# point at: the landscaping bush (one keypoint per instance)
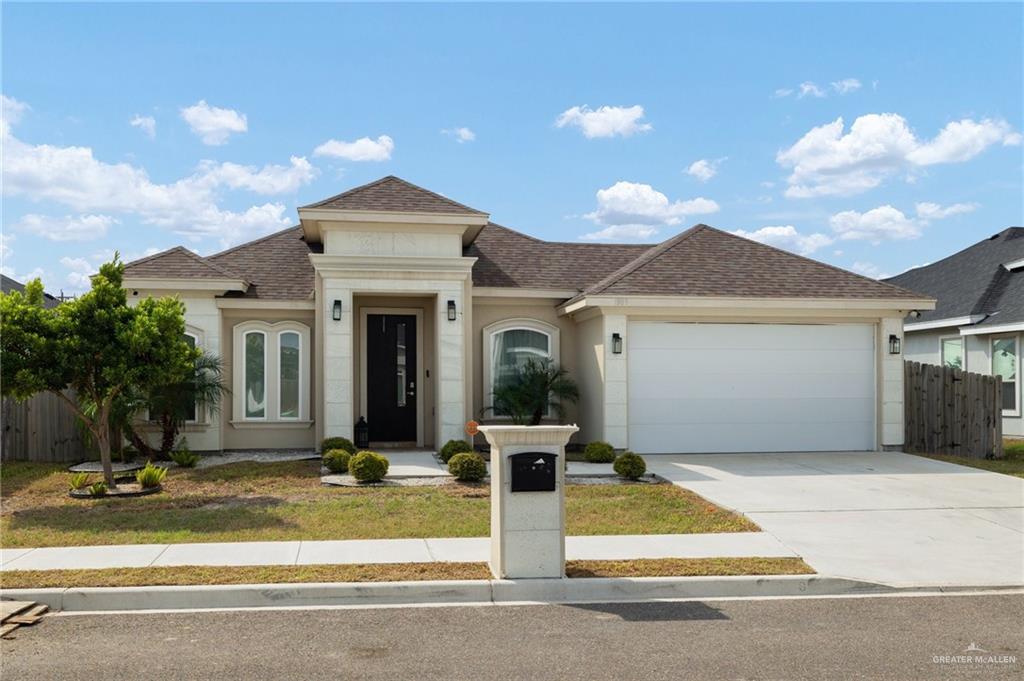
(185, 457)
(599, 452)
(629, 465)
(336, 460)
(80, 480)
(150, 476)
(368, 466)
(467, 467)
(98, 489)
(453, 447)
(337, 443)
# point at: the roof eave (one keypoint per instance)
(641, 302)
(185, 284)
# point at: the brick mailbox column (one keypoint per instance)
(528, 500)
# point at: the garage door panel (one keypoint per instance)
(723, 412)
(723, 387)
(754, 437)
(750, 387)
(750, 361)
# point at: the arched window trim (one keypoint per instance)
(491, 331)
(272, 368)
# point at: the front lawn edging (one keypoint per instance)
(122, 491)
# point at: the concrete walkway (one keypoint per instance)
(452, 550)
(882, 517)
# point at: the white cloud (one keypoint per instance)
(271, 179)
(933, 211)
(827, 161)
(846, 86)
(606, 121)
(809, 89)
(876, 225)
(80, 271)
(213, 124)
(622, 233)
(632, 203)
(782, 92)
(66, 228)
(74, 177)
(788, 238)
(704, 169)
(11, 111)
(146, 124)
(363, 149)
(868, 269)
(461, 135)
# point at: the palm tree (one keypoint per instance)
(173, 404)
(537, 389)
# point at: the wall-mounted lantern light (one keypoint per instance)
(336, 314)
(451, 310)
(894, 344)
(616, 344)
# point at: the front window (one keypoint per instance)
(290, 350)
(255, 375)
(953, 352)
(1004, 364)
(190, 410)
(511, 345)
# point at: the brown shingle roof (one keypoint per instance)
(507, 258)
(276, 266)
(178, 262)
(393, 194)
(704, 261)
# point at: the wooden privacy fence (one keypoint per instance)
(41, 428)
(948, 411)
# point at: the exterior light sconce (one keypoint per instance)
(336, 311)
(616, 344)
(451, 310)
(894, 344)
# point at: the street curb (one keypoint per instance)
(633, 589)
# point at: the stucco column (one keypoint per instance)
(337, 408)
(616, 394)
(451, 364)
(891, 418)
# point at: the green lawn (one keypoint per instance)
(285, 501)
(1012, 462)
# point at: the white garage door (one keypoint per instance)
(750, 387)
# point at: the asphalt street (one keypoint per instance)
(838, 638)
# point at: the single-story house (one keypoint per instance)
(978, 322)
(401, 306)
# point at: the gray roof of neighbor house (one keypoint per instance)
(7, 285)
(393, 194)
(974, 281)
(702, 261)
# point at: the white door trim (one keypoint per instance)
(418, 313)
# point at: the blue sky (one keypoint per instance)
(875, 138)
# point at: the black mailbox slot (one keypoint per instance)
(533, 471)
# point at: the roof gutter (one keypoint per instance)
(640, 303)
(966, 320)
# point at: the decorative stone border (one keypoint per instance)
(121, 491)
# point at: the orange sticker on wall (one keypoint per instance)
(472, 427)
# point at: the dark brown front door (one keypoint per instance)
(391, 377)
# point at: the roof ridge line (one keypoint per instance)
(212, 265)
(147, 258)
(395, 178)
(643, 259)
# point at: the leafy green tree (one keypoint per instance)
(95, 345)
(538, 387)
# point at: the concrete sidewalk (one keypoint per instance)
(451, 550)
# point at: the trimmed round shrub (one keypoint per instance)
(629, 465)
(336, 460)
(599, 452)
(467, 467)
(368, 466)
(337, 443)
(453, 447)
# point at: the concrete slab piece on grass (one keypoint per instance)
(413, 464)
(351, 551)
(87, 557)
(224, 554)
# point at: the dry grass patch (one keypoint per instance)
(285, 501)
(395, 572)
(1012, 462)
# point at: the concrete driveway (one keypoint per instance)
(885, 517)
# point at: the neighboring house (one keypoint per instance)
(978, 323)
(7, 285)
(396, 304)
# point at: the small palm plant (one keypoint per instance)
(537, 389)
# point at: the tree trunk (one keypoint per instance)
(141, 445)
(102, 432)
(169, 430)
